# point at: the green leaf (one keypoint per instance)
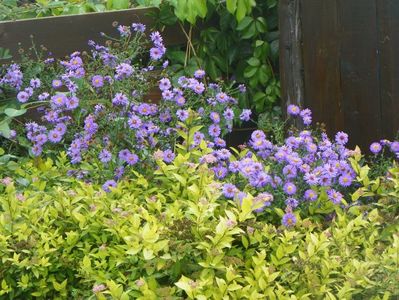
(254, 62)
(241, 10)
(244, 23)
(120, 4)
(12, 112)
(231, 5)
(5, 128)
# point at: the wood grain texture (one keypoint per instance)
(350, 56)
(291, 52)
(388, 43)
(360, 82)
(321, 56)
(63, 35)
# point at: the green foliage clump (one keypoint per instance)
(170, 236)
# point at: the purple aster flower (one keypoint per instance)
(97, 81)
(168, 156)
(228, 114)
(290, 171)
(132, 159)
(242, 88)
(245, 115)
(35, 83)
(134, 122)
(120, 99)
(311, 147)
(144, 109)
(165, 64)
(375, 148)
(105, 156)
(108, 184)
(307, 120)
(311, 178)
(234, 166)
(164, 84)
(183, 81)
(119, 171)
(168, 95)
(124, 31)
(156, 38)
(289, 220)
(292, 202)
(222, 97)
(395, 147)
(58, 100)
(289, 188)
(54, 136)
(156, 53)
(220, 172)
(43, 96)
(23, 97)
(341, 138)
(219, 142)
(345, 180)
(40, 139)
(215, 117)
(229, 190)
(29, 90)
(36, 150)
(293, 110)
(214, 130)
(258, 135)
(334, 196)
(199, 73)
(180, 100)
(138, 27)
(305, 113)
(71, 103)
(198, 137)
(56, 83)
(182, 114)
(199, 88)
(310, 195)
(165, 117)
(75, 63)
(123, 154)
(123, 70)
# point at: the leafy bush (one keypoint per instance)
(237, 40)
(22, 9)
(172, 235)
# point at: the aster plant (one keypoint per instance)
(308, 173)
(92, 105)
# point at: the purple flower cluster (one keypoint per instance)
(158, 51)
(297, 173)
(378, 147)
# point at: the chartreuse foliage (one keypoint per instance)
(169, 236)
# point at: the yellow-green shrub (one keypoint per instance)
(171, 237)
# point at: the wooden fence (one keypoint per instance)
(341, 59)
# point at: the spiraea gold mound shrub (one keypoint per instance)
(171, 236)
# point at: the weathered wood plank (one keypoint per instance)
(359, 71)
(63, 35)
(321, 54)
(388, 43)
(291, 74)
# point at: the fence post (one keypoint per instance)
(292, 81)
